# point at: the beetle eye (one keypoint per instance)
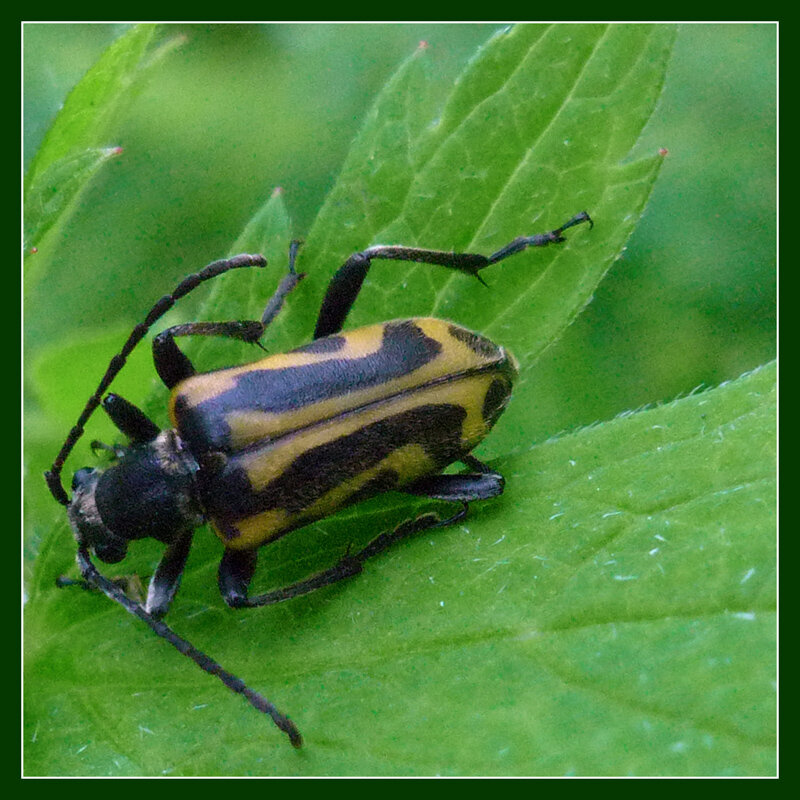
(82, 477)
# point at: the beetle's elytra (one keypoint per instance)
(345, 418)
(269, 447)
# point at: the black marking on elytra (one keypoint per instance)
(404, 348)
(228, 496)
(477, 343)
(330, 344)
(496, 400)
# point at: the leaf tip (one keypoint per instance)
(662, 151)
(277, 191)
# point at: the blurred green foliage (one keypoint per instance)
(240, 109)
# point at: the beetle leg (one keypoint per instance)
(236, 570)
(238, 566)
(167, 578)
(465, 488)
(289, 282)
(347, 281)
(173, 365)
(350, 564)
(235, 573)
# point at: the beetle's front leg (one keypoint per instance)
(167, 578)
(163, 586)
(131, 421)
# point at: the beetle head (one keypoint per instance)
(149, 492)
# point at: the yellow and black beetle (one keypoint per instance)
(266, 448)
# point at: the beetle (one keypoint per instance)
(266, 448)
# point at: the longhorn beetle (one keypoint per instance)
(265, 448)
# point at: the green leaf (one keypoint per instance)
(613, 614)
(553, 633)
(50, 194)
(74, 147)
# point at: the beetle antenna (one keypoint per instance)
(93, 577)
(53, 475)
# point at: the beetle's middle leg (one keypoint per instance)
(238, 566)
(173, 366)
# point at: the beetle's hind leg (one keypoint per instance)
(347, 281)
(173, 366)
(238, 566)
(482, 484)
